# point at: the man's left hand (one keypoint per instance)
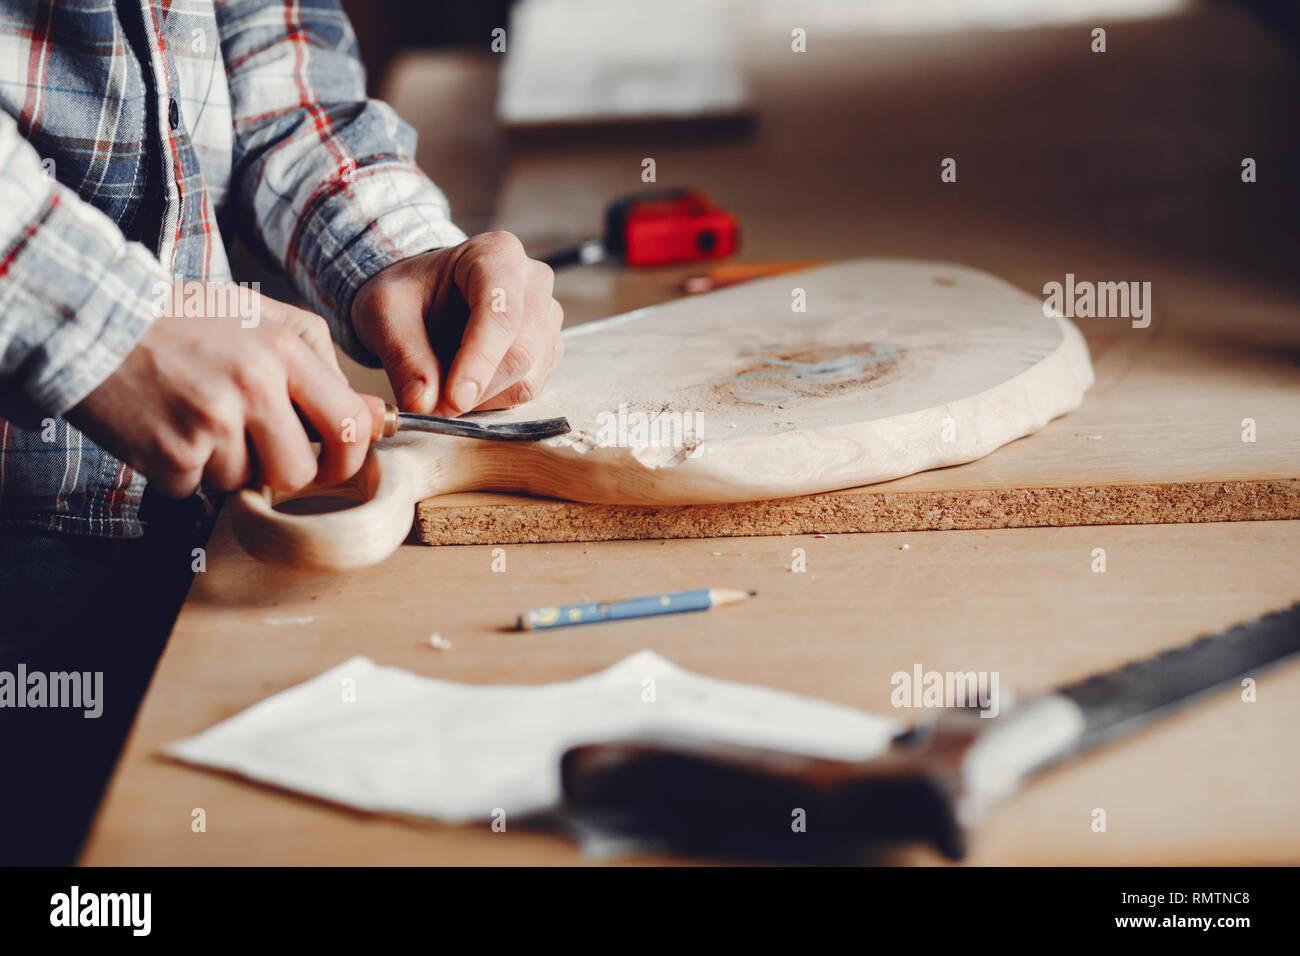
(412, 315)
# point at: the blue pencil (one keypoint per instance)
(566, 615)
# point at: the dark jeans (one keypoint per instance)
(84, 605)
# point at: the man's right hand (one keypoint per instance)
(199, 396)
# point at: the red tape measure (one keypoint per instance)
(658, 229)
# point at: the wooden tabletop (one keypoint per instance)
(1215, 785)
(1067, 164)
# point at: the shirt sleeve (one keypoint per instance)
(75, 295)
(324, 179)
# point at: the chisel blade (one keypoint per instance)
(498, 431)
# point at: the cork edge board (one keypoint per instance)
(502, 519)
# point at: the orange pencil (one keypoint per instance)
(733, 273)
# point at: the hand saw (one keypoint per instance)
(932, 784)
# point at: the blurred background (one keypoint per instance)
(1124, 161)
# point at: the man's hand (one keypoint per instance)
(197, 391)
(412, 316)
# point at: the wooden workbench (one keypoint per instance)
(1216, 785)
(1066, 164)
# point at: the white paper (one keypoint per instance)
(386, 740)
(592, 61)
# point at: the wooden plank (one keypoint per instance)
(475, 518)
(1024, 602)
(893, 367)
(1158, 439)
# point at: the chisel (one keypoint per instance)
(386, 421)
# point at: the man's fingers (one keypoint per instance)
(284, 455)
(175, 484)
(542, 342)
(175, 467)
(485, 301)
(399, 338)
(339, 416)
(530, 351)
(308, 326)
(230, 466)
(283, 452)
(413, 369)
(493, 275)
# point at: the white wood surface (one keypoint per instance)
(892, 367)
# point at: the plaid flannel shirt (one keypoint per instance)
(133, 134)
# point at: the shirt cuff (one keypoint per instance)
(347, 255)
(90, 299)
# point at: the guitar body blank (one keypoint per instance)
(894, 367)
